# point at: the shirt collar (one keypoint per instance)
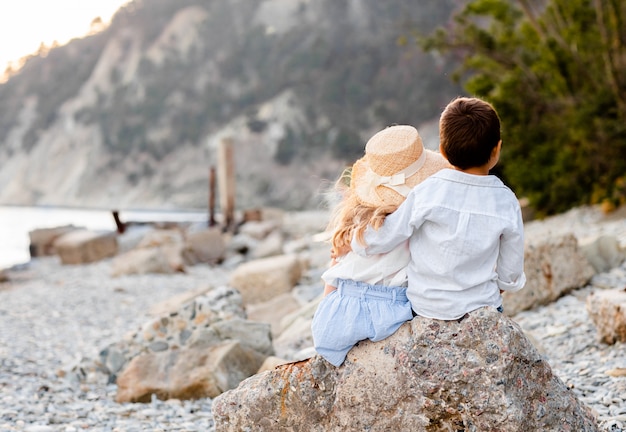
(470, 179)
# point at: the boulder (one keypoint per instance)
(42, 239)
(553, 266)
(607, 310)
(273, 310)
(258, 229)
(271, 245)
(149, 361)
(188, 373)
(142, 261)
(131, 237)
(263, 279)
(479, 373)
(85, 246)
(603, 252)
(205, 246)
(271, 362)
(160, 237)
(295, 331)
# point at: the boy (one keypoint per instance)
(464, 226)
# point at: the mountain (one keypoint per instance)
(131, 117)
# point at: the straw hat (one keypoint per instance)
(395, 161)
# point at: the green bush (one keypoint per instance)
(559, 85)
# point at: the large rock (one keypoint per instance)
(142, 261)
(42, 239)
(602, 251)
(607, 310)
(479, 373)
(85, 246)
(205, 246)
(554, 266)
(188, 373)
(191, 323)
(263, 279)
(272, 311)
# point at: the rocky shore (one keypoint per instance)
(52, 316)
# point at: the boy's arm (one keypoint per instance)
(510, 266)
(398, 227)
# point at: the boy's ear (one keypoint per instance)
(442, 152)
(496, 150)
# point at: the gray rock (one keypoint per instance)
(85, 246)
(607, 310)
(553, 266)
(188, 373)
(602, 251)
(479, 373)
(263, 279)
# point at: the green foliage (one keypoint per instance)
(555, 72)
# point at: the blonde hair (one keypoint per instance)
(351, 217)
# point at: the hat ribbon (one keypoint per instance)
(397, 181)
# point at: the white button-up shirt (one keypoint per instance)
(466, 239)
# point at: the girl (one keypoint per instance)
(365, 297)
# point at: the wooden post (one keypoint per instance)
(121, 227)
(226, 181)
(212, 196)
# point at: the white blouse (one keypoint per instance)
(389, 269)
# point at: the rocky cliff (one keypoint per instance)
(131, 117)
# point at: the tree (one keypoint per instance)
(556, 72)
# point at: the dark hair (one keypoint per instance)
(469, 129)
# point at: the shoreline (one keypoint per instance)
(52, 316)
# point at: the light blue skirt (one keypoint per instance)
(356, 311)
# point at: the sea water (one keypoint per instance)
(16, 222)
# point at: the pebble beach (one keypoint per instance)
(52, 316)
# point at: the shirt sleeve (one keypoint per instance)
(510, 265)
(398, 227)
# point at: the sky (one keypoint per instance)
(25, 24)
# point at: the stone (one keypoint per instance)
(250, 334)
(177, 302)
(607, 310)
(187, 373)
(241, 244)
(42, 239)
(258, 229)
(295, 334)
(602, 251)
(271, 245)
(553, 266)
(273, 310)
(271, 363)
(294, 339)
(205, 246)
(174, 255)
(85, 246)
(478, 373)
(141, 261)
(300, 224)
(263, 279)
(131, 237)
(189, 324)
(160, 237)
